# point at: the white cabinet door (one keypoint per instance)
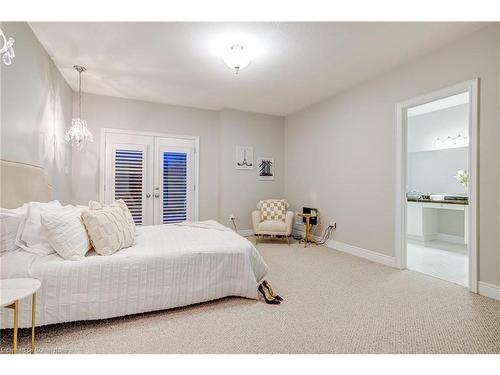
(414, 225)
(129, 174)
(174, 180)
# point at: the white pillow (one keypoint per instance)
(31, 234)
(109, 229)
(66, 233)
(94, 205)
(10, 219)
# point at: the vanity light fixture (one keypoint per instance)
(6, 48)
(449, 141)
(236, 58)
(78, 134)
(458, 141)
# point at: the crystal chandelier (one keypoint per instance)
(78, 134)
(6, 49)
(236, 58)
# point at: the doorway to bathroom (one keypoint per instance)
(436, 207)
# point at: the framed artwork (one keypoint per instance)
(244, 157)
(266, 169)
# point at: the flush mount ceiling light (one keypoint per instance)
(236, 58)
(78, 134)
(6, 49)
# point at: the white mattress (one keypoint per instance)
(169, 266)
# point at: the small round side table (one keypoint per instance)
(11, 292)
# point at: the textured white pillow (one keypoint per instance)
(93, 205)
(109, 229)
(31, 234)
(10, 219)
(66, 233)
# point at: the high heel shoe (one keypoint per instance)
(266, 285)
(267, 296)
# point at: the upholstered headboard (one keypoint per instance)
(21, 183)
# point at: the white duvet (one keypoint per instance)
(169, 266)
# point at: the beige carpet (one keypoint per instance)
(334, 303)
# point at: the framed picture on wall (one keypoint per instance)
(244, 157)
(266, 169)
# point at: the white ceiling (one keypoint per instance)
(440, 104)
(293, 64)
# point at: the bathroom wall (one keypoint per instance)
(432, 171)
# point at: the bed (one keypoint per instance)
(169, 266)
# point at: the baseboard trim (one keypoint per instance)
(356, 251)
(489, 290)
(438, 236)
(362, 253)
(245, 232)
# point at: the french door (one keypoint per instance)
(154, 175)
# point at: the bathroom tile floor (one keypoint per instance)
(444, 260)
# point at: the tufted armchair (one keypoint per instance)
(272, 227)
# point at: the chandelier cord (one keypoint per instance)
(80, 93)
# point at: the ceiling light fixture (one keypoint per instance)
(6, 49)
(236, 58)
(78, 134)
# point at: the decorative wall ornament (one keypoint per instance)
(244, 157)
(79, 135)
(6, 48)
(266, 169)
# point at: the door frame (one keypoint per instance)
(102, 159)
(472, 87)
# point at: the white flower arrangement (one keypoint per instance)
(462, 177)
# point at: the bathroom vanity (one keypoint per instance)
(426, 219)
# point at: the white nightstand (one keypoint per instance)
(11, 292)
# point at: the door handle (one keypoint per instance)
(148, 195)
(157, 195)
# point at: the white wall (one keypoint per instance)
(223, 190)
(240, 190)
(109, 112)
(340, 153)
(36, 108)
(424, 129)
(432, 171)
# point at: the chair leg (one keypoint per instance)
(256, 239)
(288, 240)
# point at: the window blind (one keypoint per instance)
(129, 170)
(174, 187)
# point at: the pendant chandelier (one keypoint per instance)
(78, 134)
(6, 49)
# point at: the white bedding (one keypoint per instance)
(170, 266)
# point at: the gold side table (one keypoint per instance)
(11, 292)
(307, 239)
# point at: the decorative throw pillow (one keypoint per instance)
(273, 209)
(93, 205)
(109, 229)
(10, 219)
(66, 233)
(31, 235)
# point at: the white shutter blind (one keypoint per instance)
(129, 171)
(175, 205)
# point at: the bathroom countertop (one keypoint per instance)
(447, 201)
